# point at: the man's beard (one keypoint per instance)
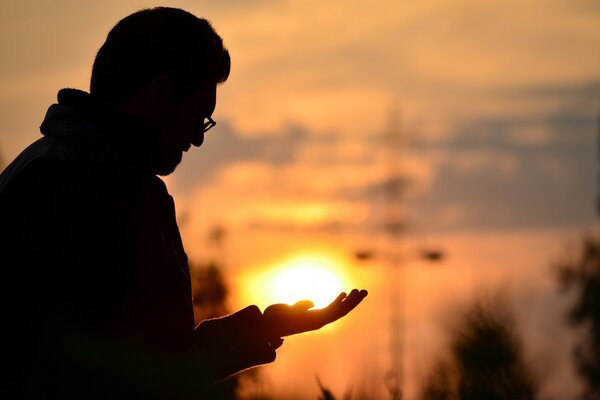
(165, 162)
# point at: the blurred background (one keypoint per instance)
(441, 154)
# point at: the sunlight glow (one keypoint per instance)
(311, 278)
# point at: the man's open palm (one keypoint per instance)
(285, 320)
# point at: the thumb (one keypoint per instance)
(303, 305)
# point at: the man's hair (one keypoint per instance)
(154, 42)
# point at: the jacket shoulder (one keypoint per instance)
(41, 158)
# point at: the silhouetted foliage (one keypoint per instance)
(326, 394)
(485, 361)
(439, 384)
(209, 291)
(581, 275)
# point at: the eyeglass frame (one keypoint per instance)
(209, 124)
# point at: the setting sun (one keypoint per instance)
(314, 278)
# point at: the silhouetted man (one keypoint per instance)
(96, 297)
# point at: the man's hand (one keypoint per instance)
(248, 337)
(235, 342)
(284, 320)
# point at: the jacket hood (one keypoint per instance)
(100, 134)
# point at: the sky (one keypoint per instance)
(487, 114)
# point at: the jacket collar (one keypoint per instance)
(100, 133)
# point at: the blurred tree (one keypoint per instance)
(581, 275)
(485, 361)
(326, 394)
(439, 385)
(210, 295)
(210, 292)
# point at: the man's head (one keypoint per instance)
(163, 65)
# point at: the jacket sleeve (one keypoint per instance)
(63, 281)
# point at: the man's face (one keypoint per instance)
(182, 126)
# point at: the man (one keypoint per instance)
(96, 295)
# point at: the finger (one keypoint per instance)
(290, 323)
(279, 307)
(339, 298)
(300, 306)
(250, 314)
(267, 355)
(263, 352)
(275, 343)
(337, 303)
(336, 310)
(361, 294)
(354, 298)
(303, 305)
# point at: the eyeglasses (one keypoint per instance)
(208, 124)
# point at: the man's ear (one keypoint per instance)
(160, 94)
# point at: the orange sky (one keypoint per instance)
(497, 105)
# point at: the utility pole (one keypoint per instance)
(393, 225)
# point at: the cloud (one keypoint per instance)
(530, 136)
(504, 185)
(451, 58)
(485, 176)
(224, 146)
(335, 66)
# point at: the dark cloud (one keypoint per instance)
(552, 184)
(224, 146)
(487, 180)
(482, 174)
(529, 199)
(588, 92)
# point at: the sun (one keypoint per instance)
(312, 278)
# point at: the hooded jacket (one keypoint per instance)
(96, 285)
